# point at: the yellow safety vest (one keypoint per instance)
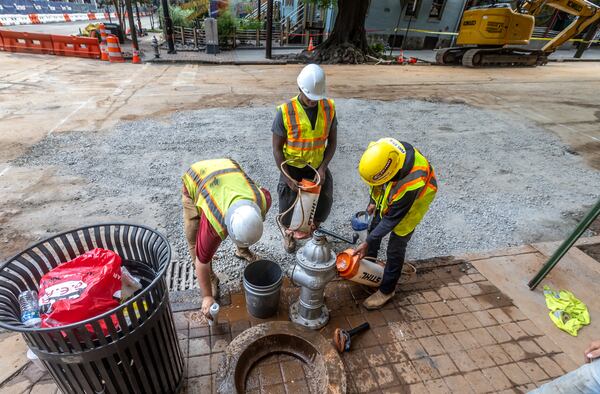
(304, 144)
(216, 184)
(421, 176)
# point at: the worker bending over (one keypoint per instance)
(219, 199)
(305, 134)
(402, 185)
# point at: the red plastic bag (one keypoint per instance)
(80, 289)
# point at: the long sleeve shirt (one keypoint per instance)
(396, 212)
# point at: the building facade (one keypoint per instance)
(389, 19)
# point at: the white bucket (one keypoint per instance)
(304, 210)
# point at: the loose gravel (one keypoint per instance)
(502, 181)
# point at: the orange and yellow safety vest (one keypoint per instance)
(214, 185)
(305, 145)
(421, 176)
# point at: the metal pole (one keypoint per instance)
(565, 246)
(137, 12)
(168, 26)
(551, 24)
(269, 42)
(132, 25)
(258, 10)
(587, 39)
(396, 28)
(414, 7)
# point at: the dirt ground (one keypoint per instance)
(41, 96)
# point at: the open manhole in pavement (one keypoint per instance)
(281, 368)
(280, 353)
(181, 276)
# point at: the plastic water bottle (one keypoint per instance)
(214, 312)
(30, 310)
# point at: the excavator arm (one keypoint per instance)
(586, 14)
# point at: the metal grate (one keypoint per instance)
(181, 276)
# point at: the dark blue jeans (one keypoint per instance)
(396, 251)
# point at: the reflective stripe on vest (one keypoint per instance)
(421, 176)
(215, 184)
(305, 145)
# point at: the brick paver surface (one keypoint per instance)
(447, 330)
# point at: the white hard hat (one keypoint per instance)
(311, 82)
(244, 223)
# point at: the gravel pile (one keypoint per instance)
(501, 182)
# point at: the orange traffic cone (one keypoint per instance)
(103, 44)
(136, 57)
(311, 47)
(401, 57)
(114, 49)
(103, 51)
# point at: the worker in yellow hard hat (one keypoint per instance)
(402, 185)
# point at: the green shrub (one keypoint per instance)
(226, 24)
(377, 47)
(179, 16)
(249, 24)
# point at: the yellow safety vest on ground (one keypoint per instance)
(215, 184)
(567, 312)
(422, 177)
(305, 144)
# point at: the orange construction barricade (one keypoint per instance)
(103, 46)
(34, 18)
(15, 41)
(114, 50)
(76, 46)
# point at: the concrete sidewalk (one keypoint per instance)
(257, 56)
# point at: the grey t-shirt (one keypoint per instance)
(279, 128)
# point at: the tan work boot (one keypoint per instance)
(289, 242)
(245, 254)
(377, 300)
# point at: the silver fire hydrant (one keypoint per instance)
(314, 269)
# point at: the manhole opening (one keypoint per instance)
(291, 358)
(181, 276)
(279, 367)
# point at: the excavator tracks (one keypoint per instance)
(491, 57)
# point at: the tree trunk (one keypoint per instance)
(348, 40)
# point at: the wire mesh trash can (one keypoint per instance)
(140, 353)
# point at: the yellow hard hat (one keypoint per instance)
(381, 161)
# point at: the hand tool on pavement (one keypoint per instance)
(342, 338)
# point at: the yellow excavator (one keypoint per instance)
(491, 35)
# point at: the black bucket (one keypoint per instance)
(262, 284)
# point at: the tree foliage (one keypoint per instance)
(198, 8)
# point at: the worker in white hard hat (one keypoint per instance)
(305, 136)
(402, 184)
(220, 200)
